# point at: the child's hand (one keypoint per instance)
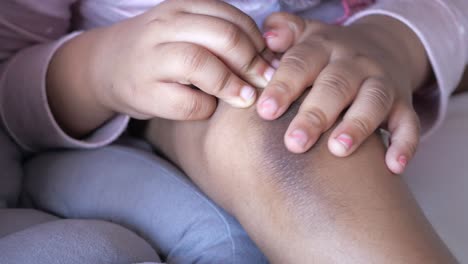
(145, 66)
(372, 71)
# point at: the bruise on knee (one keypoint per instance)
(284, 169)
(310, 175)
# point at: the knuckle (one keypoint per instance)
(320, 38)
(369, 64)
(190, 108)
(363, 125)
(282, 88)
(249, 64)
(315, 117)
(378, 95)
(223, 81)
(343, 51)
(194, 58)
(337, 85)
(249, 23)
(294, 63)
(363, 60)
(252, 30)
(232, 37)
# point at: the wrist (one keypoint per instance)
(401, 44)
(70, 87)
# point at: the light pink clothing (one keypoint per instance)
(438, 177)
(31, 31)
(442, 26)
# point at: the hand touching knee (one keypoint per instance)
(296, 207)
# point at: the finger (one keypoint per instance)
(179, 102)
(191, 64)
(272, 58)
(225, 11)
(370, 109)
(331, 93)
(404, 127)
(297, 70)
(222, 38)
(282, 31)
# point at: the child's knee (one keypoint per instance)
(252, 151)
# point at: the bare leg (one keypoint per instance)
(308, 208)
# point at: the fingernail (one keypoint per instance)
(245, 99)
(270, 34)
(268, 74)
(346, 140)
(341, 144)
(299, 137)
(403, 161)
(269, 107)
(247, 93)
(275, 63)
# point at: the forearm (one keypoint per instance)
(311, 207)
(70, 86)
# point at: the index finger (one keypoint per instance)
(193, 64)
(222, 10)
(297, 70)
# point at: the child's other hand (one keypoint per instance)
(146, 66)
(372, 71)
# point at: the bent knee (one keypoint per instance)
(256, 149)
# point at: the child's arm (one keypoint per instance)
(375, 66)
(442, 27)
(372, 67)
(31, 32)
(142, 67)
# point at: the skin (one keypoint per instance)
(301, 208)
(372, 66)
(308, 208)
(204, 43)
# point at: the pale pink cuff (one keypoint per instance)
(434, 25)
(25, 110)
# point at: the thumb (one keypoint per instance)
(181, 102)
(282, 30)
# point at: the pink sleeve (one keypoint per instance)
(30, 33)
(442, 26)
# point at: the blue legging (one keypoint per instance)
(138, 191)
